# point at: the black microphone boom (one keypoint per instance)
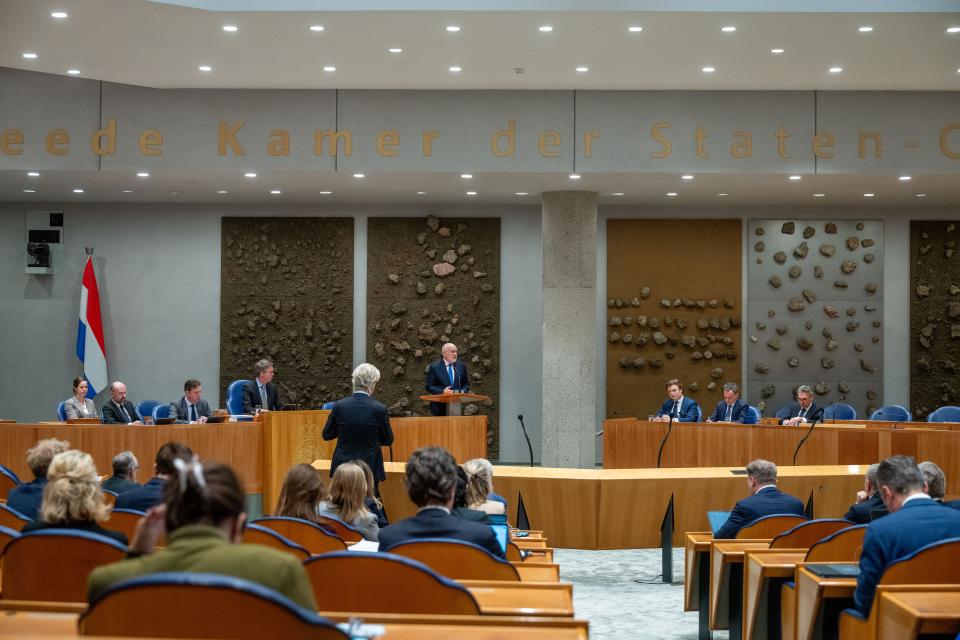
(529, 446)
(663, 442)
(818, 415)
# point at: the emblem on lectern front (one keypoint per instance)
(311, 443)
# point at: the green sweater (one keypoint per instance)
(203, 548)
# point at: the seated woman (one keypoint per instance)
(79, 405)
(372, 502)
(202, 514)
(302, 494)
(72, 498)
(478, 490)
(346, 502)
(460, 508)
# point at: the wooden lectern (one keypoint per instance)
(454, 401)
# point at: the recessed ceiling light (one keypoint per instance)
(174, 193)
(865, 29)
(222, 191)
(776, 50)
(452, 28)
(33, 174)
(574, 176)
(421, 193)
(205, 67)
(325, 193)
(545, 28)
(471, 193)
(921, 195)
(316, 27)
(836, 69)
(728, 29)
(359, 175)
(78, 190)
(635, 29)
(60, 15)
(29, 190)
(466, 176)
(617, 193)
(953, 30)
(819, 195)
(521, 193)
(395, 50)
(795, 178)
(250, 174)
(126, 191)
(329, 68)
(143, 174)
(456, 69)
(230, 28)
(905, 178)
(868, 195)
(671, 194)
(722, 195)
(29, 55)
(686, 177)
(73, 72)
(275, 192)
(708, 69)
(583, 69)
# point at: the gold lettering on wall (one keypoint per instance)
(429, 135)
(782, 136)
(743, 148)
(549, 139)
(10, 139)
(110, 135)
(227, 135)
(944, 136)
(662, 139)
(510, 133)
(57, 141)
(333, 138)
(386, 140)
(588, 138)
(279, 143)
(821, 140)
(700, 134)
(149, 143)
(877, 144)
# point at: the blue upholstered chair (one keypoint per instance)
(8, 480)
(752, 416)
(327, 406)
(892, 413)
(945, 414)
(162, 410)
(62, 411)
(12, 518)
(145, 407)
(235, 397)
(130, 608)
(782, 412)
(7, 535)
(839, 411)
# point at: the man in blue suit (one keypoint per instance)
(151, 493)
(915, 521)
(447, 375)
(431, 481)
(869, 502)
(682, 409)
(765, 500)
(731, 408)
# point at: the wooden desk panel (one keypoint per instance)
(812, 590)
(907, 614)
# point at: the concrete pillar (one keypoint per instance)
(569, 329)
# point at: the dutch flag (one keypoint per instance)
(90, 345)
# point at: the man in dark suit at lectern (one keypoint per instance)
(765, 500)
(447, 375)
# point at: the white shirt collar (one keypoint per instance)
(766, 486)
(366, 393)
(434, 506)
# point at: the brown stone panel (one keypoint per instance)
(650, 263)
(934, 316)
(412, 311)
(286, 293)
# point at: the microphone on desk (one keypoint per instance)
(529, 446)
(290, 394)
(817, 416)
(663, 442)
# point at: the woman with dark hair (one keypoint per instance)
(79, 405)
(301, 494)
(203, 517)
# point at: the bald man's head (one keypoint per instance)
(449, 352)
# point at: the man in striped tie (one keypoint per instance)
(447, 375)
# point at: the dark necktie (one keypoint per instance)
(676, 409)
(729, 416)
(193, 413)
(264, 403)
(126, 416)
(803, 413)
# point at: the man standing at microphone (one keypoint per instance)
(446, 375)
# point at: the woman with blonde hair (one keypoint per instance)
(302, 494)
(72, 498)
(478, 489)
(372, 502)
(348, 489)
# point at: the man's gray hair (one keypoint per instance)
(872, 474)
(123, 462)
(805, 388)
(936, 480)
(262, 365)
(763, 471)
(731, 386)
(900, 474)
(365, 377)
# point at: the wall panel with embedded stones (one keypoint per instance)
(430, 281)
(286, 293)
(673, 311)
(934, 316)
(815, 312)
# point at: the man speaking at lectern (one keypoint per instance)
(446, 375)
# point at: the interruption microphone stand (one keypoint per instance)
(663, 441)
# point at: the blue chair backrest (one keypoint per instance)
(782, 412)
(945, 414)
(752, 416)
(162, 410)
(327, 406)
(892, 413)
(13, 513)
(62, 411)
(145, 407)
(10, 473)
(235, 397)
(840, 411)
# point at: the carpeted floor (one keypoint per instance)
(604, 592)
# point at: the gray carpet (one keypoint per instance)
(604, 592)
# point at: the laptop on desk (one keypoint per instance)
(717, 519)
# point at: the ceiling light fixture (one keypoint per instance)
(59, 15)
(73, 72)
(230, 28)
(905, 178)
(29, 55)
(455, 69)
(421, 193)
(521, 193)
(316, 27)
(395, 50)
(466, 176)
(868, 195)
(452, 28)
(635, 29)
(776, 50)
(708, 69)
(865, 29)
(250, 174)
(671, 194)
(325, 193)
(29, 190)
(722, 195)
(836, 69)
(583, 69)
(205, 67)
(686, 177)
(359, 175)
(33, 174)
(921, 195)
(819, 195)
(795, 178)
(275, 192)
(222, 191)
(329, 68)
(617, 193)
(545, 28)
(78, 190)
(728, 29)
(471, 193)
(126, 191)
(143, 174)
(953, 30)
(574, 176)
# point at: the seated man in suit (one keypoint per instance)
(682, 409)
(431, 481)
(27, 497)
(804, 407)
(125, 467)
(935, 480)
(261, 392)
(731, 408)
(915, 521)
(765, 500)
(868, 500)
(150, 494)
(191, 408)
(447, 375)
(119, 410)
